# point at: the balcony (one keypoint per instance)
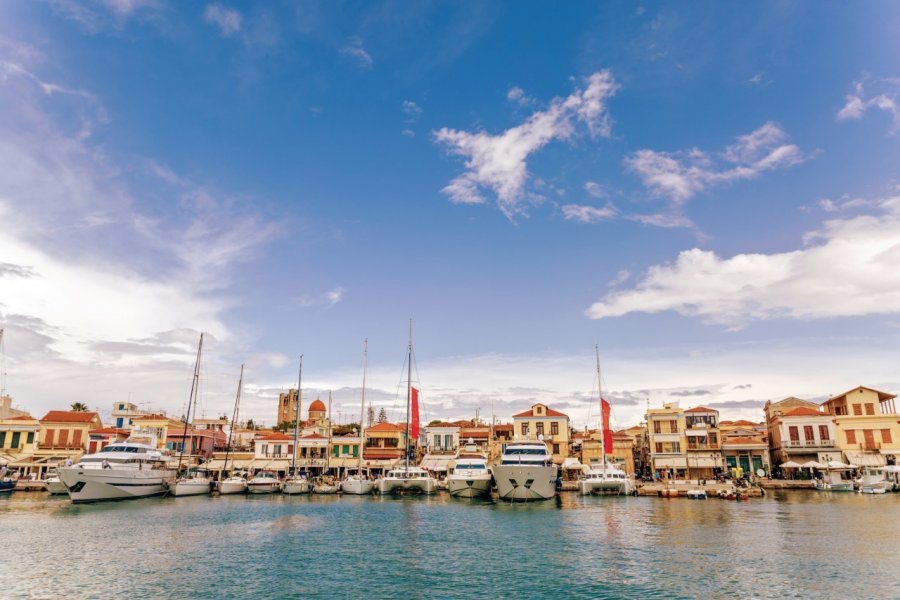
(810, 444)
(711, 446)
(59, 446)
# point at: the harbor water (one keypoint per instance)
(801, 544)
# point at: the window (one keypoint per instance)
(14, 443)
(539, 428)
(823, 433)
(345, 449)
(2, 438)
(63, 438)
(437, 441)
(524, 429)
(886, 436)
(540, 410)
(656, 427)
(335, 450)
(794, 433)
(76, 437)
(555, 448)
(673, 426)
(48, 438)
(120, 421)
(659, 447)
(448, 442)
(355, 451)
(870, 408)
(808, 433)
(851, 436)
(713, 439)
(857, 409)
(676, 447)
(554, 428)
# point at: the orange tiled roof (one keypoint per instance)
(69, 416)
(550, 413)
(503, 427)
(22, 418)
(377, 453)
(314, 436)
(110, 430)
(276, 436)
(700, 409)
(803, 411)
(385, 427)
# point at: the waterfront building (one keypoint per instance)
(197, 443)
(385, 445)
(154, 429)
(100, 438)
(667, 442)
(590, 450)
(123, 414)
(704, 453)
(543, 423)
(800, 431)
(220, 424)
(18, 440)
(746, 447)
(64, 434)
(442, 440)
(344, 453)
(867, 425)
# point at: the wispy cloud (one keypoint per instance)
(98, 15)
(11, 270)
(354, 49)
(860, 252)
(859, 102)
(323, 300)
(589, 214)
(228, 20)
(412, 111)
(499, 162)
(681, 175)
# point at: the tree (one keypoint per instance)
(382, 416)
(251, 424)
(79, 407)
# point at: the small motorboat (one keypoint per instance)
(264, 482)
(325, 485)
(235, 484)
(54, 485)
(697, 494)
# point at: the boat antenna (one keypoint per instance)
(194, 384)
(408, 391)
(234, 417)
(296, 418)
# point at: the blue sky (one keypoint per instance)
(709, 191)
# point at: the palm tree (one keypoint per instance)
(79, 407)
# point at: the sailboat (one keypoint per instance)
(605, 478)
(197, 481)
(325, 483)
(407, 478)
(296, 483)
(359, 483)
(237, 482)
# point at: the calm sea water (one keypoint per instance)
(800, 544)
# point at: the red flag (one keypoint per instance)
(607, 432)
(414, 427)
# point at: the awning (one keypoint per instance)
(674, 462)
(866, 459)
(436, 463)
(704, 462)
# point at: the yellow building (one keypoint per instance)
(867, 426)
(667, 442)
(541, 422)
(385, 445)
(622, 454)
(18, 438)
(155, 429)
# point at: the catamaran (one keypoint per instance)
(408, 478)
(359, 482)
(296, 483)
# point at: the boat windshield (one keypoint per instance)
(469, 466)
(121, 449)
(537, 451)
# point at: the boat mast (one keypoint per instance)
(296, 419)
(234, 416)
(362, 408)
(195, 383)
(408, 391)
(328, 448)
(600, 393)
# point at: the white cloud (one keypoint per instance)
(355, 50)
(858, 102)
(228, 20)
(323, 300)
(412, 110)
(595, 190)
(665, 220)
(589, 214)
(105, 14)
(499, 162)
(848, 269)
(681, 175)
(408, 133)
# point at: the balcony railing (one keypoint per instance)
(58, 446)
(711, 446)
(810, 443)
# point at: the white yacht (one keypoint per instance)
(407, 479)
(606, 478)
(526, 472)
(359, 483)
(874, 481)
(470, 477)
(54, 485)
(264, 482)
(235, 484)
(196, 483)
(296, 484)
(119, 471)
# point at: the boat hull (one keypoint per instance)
(7, 485)
(469, 487)
(96, 485)
(391, 485)
(233, 487)
(293, 487)
(192, 487)
(56, 487)
(835, 487)
(521, 483)
(358, 487)
(266, 487)
(325, 488)
(600, 488)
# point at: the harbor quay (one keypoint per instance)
(847, 443)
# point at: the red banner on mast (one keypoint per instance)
(414, 426)
(607, 432)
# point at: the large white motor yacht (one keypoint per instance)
(526, 472)
(122, 470)
(264, 482)
(606, 478)
(196, 483)
(407, 480)
(470, 477)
